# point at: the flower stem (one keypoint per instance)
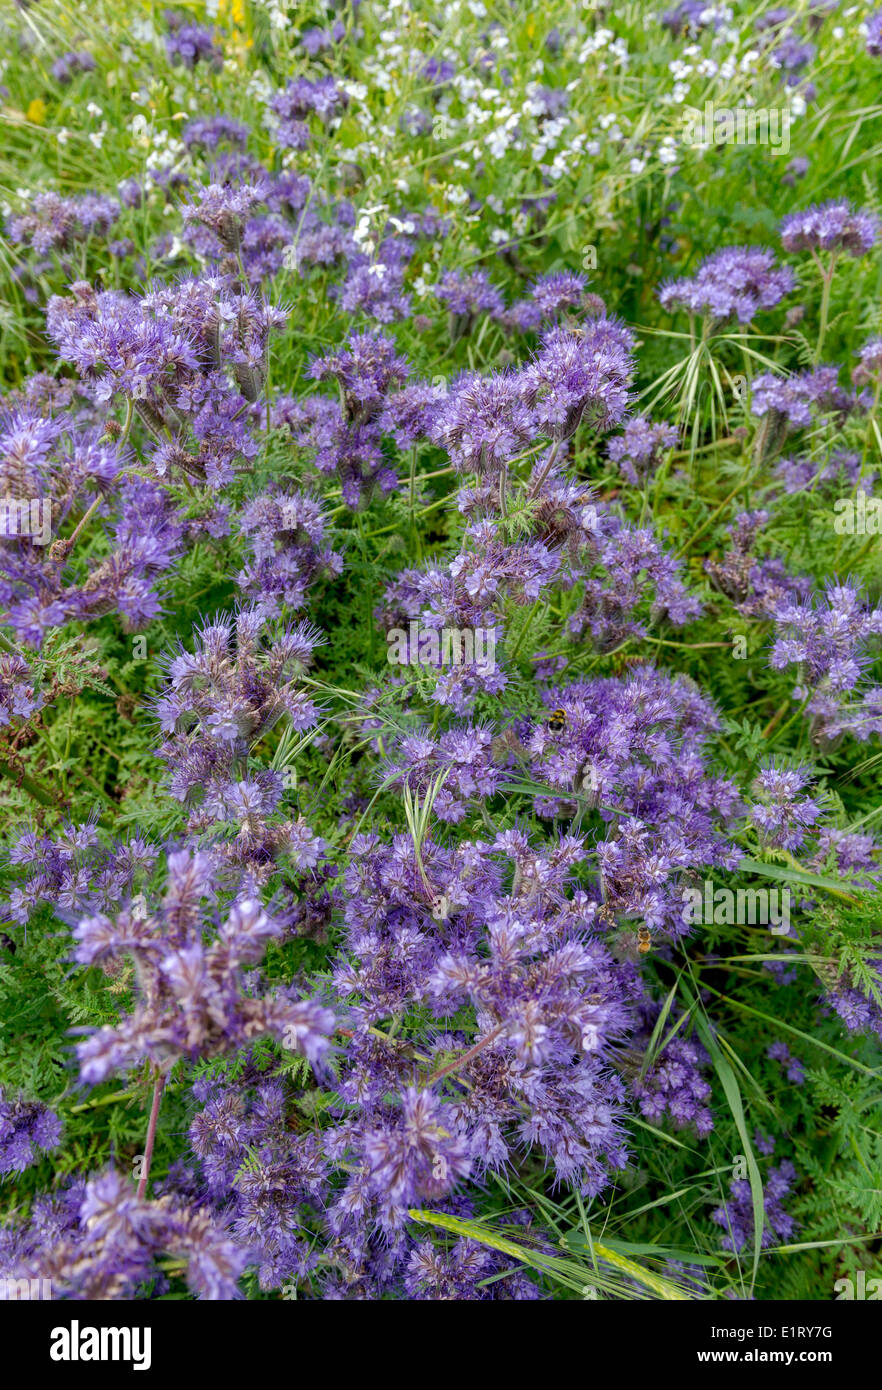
(158, 1087)
(534, 490)
(465, 1057)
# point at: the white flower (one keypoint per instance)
(498, 143)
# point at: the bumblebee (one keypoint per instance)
(558, 722)
(644, 940)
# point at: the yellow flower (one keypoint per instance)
(37, 111)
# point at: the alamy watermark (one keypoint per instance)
(445, 646)
(860, 1289)
(767, 907)
(860, 515)
(76, 1343)
(25, 1290)
(738, 125)
(26, 517)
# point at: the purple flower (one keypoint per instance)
(783, 816)
(790, 403)
(673, 1085)
(364, 369)
(484, 423)
(207, 133)
(26, 1129)
(192, 998)
(795, 1070)
(580, 376)
(18, 696)
(638, 451)
(286, 533)
(467, 296)
(98, 1240)
(831, 226)
(737, 282)
(827, 637)
(65, 68)
(737, 1218)
(223, 211)
(55, 223)
(299, 100)
(188, 44)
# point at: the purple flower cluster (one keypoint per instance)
(27, 1129)
(673, 1085)
(467, 296)
(220, 700)
(576, 377)
(756, 586)
(549, 297)
(736, 1215)
(55, 223)
(281, 1184)
(635, 748)
(735, 282)
(620, 568)
(194, 998)
(188, 44)
(827, 637)
(97, 1240)
(831, 226)
(70, 472)
(300, 99)
(791, 403)
(188, 360)
(549, 1003)
(639, 450)
(65, 68)
(783, 815)
(795, 1070)
(316, 41)
(18, 696)
(210, 132)
(805, 474)
(74, 872)
(288, 555)
(346, 434)
(859, 1011)
(489, 1009)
